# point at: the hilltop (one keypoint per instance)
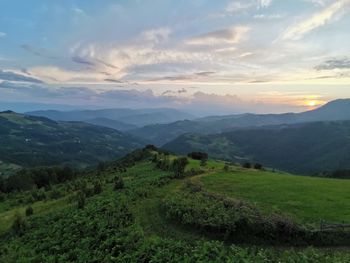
(147, 207)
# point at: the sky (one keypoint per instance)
(207, 56)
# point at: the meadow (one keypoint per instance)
(305, 199)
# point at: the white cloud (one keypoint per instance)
(265, 3)
(327, 15)
(231, 35)
(156, 35)
(2, 34)
(236, 6)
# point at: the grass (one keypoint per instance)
(40, 208)
(306, 199)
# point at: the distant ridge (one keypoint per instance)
(163, 133)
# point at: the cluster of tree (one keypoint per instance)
(249, 165)
(177, 165)
(27, 179)
(198, 155)
(341, 174)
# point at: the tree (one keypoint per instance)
(247, 165)
(258, 166)
(19, 224)
(81, 199)
(97, 187)
(179, 165)
(118, 183)
(29, 211)
(198, 155)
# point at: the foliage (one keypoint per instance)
(29, 211)
(118, 183)
(198, 155)
(130, 225)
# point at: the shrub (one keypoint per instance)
(118, 183)
(258, 166)
(198, 155)
(178, 166)
(97, 187)
(29, 211)
(19, 224)
(247, 165)
(81, 199)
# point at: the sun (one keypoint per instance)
(312, 103)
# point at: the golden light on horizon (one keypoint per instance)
(312, 103)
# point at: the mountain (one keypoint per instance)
(113, 124)
(163, 133)
(28, 140)
(301, 148)
(135, 117)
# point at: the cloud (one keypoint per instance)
(268, 17)
(2, 34)
(157, 35)
(237, 6)
(341, 63)
(242, 6)
(13, 76)
(265, 3)
(231, 35)
(34, 90)
(81, 60)
(40, 52)
(185, 77)
(326, 16)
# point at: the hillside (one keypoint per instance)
(302, 148)
(133, 117)
(138, 210)
(30, 141)
(163, 133)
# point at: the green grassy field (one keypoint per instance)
(306, 199)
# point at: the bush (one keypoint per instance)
(258, 166)
(178, 166)
(97, 187)
(247, 165)
(19, 224)
(29, 211)
(198, 155)
(118, 183)
(81, 199)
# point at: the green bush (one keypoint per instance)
(81, 199)
(19, 224)
(118, 183)
(29, 211)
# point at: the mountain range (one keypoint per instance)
(160, 134)
(121, 119)
(304, 148)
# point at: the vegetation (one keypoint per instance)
(35, 141)
(153, 218)
(306, 199)
(308, 148)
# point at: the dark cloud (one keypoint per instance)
(194, 76)
(49, 92)
(40, 52)
(81, 60)
(114, 80)
(11, 76)
(109, 65)
(342, 63)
